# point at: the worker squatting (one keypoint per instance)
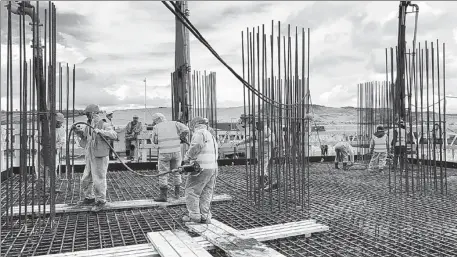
(168, 135)
(380, 149)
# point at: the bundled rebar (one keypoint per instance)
(275, 130)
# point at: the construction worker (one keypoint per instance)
(199, 189)
(109, 117)
(132, 130)
(60, 143)
(399, 144)
(379, 148)
(266, 152)
(167, 135)
(93, 181)
(342, 151)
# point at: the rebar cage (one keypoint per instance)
(35, 93)
(276, 102)
(418, 161)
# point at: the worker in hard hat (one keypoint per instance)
(398, 143)
(199, 189)
(379, 148)
(167, 135)
(344, 153)
(109, 117)
(264, 133)
(60, 143)
(132, 130)
(93, 181)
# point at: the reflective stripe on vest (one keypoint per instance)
(380, 144)
(168, 138)
(207, 158)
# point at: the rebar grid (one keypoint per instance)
(364, 219)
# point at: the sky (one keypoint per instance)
(115, 45)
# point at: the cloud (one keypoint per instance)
(115, 45)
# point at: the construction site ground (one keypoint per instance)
(364, 218)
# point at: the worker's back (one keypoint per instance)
(167, 137)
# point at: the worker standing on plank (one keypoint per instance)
(342, 150)
(200, 188)
(109, 117)
(132, 130)
(93, 181)
(167, 135)
(379, 147)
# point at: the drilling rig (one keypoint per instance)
(400, 92)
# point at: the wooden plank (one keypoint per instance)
(196, 248)
(161, 245)
(231, 244)
(119, 205)
(179, 246)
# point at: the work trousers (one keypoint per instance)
(266, 160)
(167, 162)
(130, 147)
(378, 161)
(341, 156)
(93, 181)
(399, 153)
(199, 193)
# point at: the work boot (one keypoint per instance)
(263, 181)
(274, 186)
(186, 218)
(205, 221)
(345, 166)
(87, 201)
(177, 191)
(336, 166)
(99, 205)
(163, 195)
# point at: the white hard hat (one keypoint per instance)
(108, 112)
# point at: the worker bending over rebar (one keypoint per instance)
(93, 181)
(343, 150)
(379, 148)
(200, 188)
(168, 136)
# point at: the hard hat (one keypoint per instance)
(60, 117)
(109, 112)
(158, 117)
(197, 121)
(380, 128)
(92, 108)
(135, 116)
(206, 120)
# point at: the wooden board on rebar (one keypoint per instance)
(230, 243)
(176, 244)
(120, 205)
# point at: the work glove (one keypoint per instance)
(97, 131)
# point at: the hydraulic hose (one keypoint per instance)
(119, 158)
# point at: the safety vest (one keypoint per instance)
(207, 158)
(380, 143)
(167, 137)
(401, 136)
